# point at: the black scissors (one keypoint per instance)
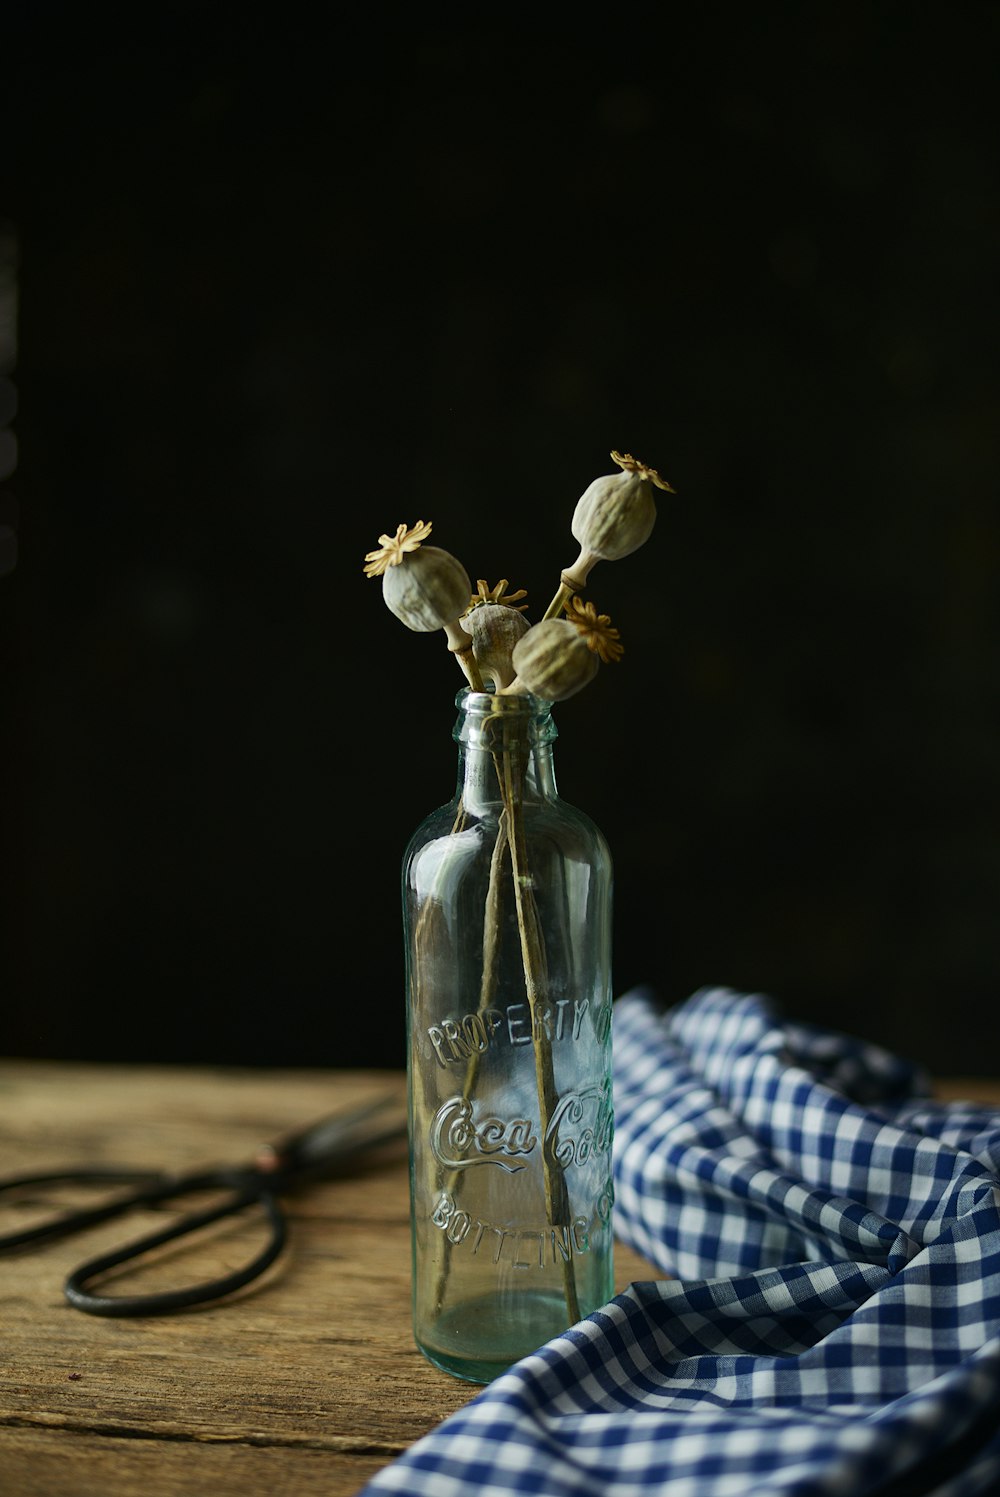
(318, 1151)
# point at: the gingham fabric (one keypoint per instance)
(833, 1323)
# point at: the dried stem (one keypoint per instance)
(460, 644)
(573, 580)
(533, 961)
(559, 602)
(492, 916)
(467, 661)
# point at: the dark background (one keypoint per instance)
(285, 283)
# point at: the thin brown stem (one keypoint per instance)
(467, 661)
(533, 962)
(559, 602)
(572, 581)
(492, 916)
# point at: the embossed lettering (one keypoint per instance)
(453, 1041)
(602, 1022)
(521, 1248)
(459, 1142)
(562, 1022)
(458, 1227)
(530, 1250)
(518, 1024)
(582, 1125)
(561, 1244)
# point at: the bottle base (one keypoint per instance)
(478, 1343)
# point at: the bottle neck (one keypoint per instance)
(505, 751)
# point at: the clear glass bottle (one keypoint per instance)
(507, 896)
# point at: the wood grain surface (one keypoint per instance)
(306, 1382)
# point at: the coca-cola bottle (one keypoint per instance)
(507, 896)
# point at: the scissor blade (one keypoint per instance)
(332, 1139)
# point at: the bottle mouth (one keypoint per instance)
(483, 717)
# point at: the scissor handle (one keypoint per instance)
(81, 1297)
(148, 1186)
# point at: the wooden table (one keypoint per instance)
(307, 1382)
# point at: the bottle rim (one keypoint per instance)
(479, 711)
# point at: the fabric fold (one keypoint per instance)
(831, 1322)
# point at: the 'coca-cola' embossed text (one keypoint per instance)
(459, 1141)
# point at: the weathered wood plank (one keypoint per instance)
(312, 1373)
(67, 1463)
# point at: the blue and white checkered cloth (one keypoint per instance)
(833, 1325)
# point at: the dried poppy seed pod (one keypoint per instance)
(429, 594)
(614, 516)
(495, 630)
(553, 661)
(429, 589)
